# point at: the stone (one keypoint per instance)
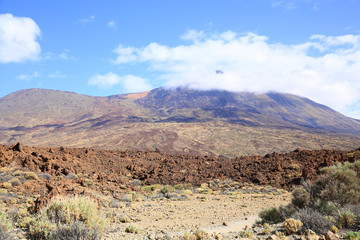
(18, 147)
(310, 235)
(272, 237)
(218, 236)
(331, 236)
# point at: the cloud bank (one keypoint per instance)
(324, 68)
(18, 39)
(130, 83)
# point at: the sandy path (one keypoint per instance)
(208, 212)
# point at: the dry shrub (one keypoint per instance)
(76, 230)
(292, 225)
(67, 216)
(313, 219)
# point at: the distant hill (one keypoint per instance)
(175, 121)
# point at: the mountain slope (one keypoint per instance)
(175, 120)
(271, 109)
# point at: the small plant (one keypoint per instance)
(200, 235)
(301, 197)
(5, 235)
(246, 234)
(189, 236)
(352, 235)
(4, 222)
(31, 176)
(132, 229)
(334, 229)
(167, 189)
(124, 219)
(151, 188)
(266, 229)
(41, 229)
(76, 230)
(345, 219)
(270, 215)
(179, 187)
(292, 225)
(186, 192)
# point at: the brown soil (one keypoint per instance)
(217, 214)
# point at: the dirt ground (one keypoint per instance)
(215, 214)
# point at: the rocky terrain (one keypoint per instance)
(107, 169)
(157, 195)
(181, 121)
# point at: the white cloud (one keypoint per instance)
(18, 39)
(135, 84)
(28, 77)
(130, 83)
(57, 74)
(105, 81)
(112, 24)
(292, 4)
(87, 20)
(325, 68)
(53, 56)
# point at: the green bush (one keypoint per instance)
(339, 184)
(352, 235)
(167, 189)
(345, 219)
(4, 222)
(301, 197)
(5, 226)
(132, 229)
(270, 215)
(246, 234)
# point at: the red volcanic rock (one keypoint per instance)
(110, 170)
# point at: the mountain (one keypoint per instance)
(178, 120)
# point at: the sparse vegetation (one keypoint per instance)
(76, 230)
(321, 205)
(59, 216)
(132, 229)
(246, 234)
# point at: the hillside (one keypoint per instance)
(175, 121)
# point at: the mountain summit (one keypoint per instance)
(178, 120)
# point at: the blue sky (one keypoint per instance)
(305, 47)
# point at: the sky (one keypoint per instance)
(309, 48)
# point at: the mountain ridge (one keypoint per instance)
(177, 120)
